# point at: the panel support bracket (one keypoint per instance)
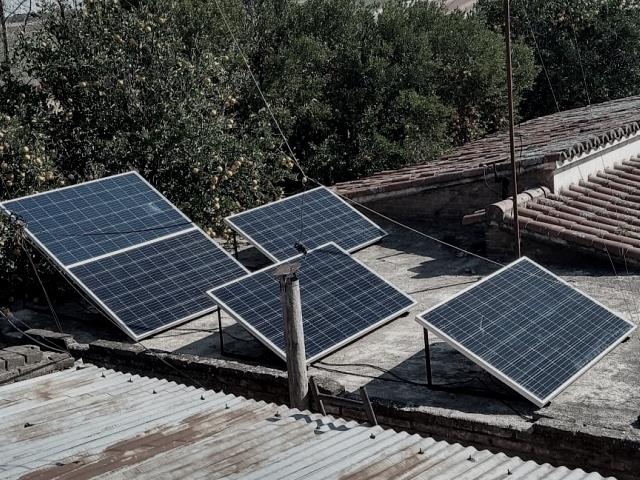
(226, 353)
(364, 402)
(456, 388)
(234, 236)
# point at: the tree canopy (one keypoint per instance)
(590, 49)
(160, 86)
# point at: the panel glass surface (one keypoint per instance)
(529, 326)
(95, 218)
(160, 283)
(315, 218)
(341, 300)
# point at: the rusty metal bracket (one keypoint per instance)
(364, 403)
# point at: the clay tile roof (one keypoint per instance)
(601, 213)
(545, 139)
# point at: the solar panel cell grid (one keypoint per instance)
(100, 217)
(528, 326)
(129, 249)
(314, 217)
(157, 284)
(341, 299)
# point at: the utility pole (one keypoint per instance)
(294, 335)
(514, 173)
(3, 34)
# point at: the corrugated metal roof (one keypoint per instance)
(94, 422)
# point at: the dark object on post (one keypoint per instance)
(365, 403)
(299, 246)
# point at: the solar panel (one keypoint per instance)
(341, 300)
(313, 218)
(159, 284)
(130, 250)
(528, 328)
(78, 222)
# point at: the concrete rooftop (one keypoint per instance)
(390, 360)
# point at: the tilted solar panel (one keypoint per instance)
(93, 218)
(528, 328)
(313, 218)
(341, 300)
(131, 251)
(159, 284)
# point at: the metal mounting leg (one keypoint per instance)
(220, 335)
(427, 357)
(235, 245)
(364, 402)
(457, 388)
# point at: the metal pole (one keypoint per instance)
(235, 245)
(220, 334)
(294, 335)
(368, 408)
(514, 174)
(427, 356)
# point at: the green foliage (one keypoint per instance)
(160, 87)
(360, 89)
(114, 89)
(592, 42)
(121, 89)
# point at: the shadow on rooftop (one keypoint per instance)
(406, 384)
(433, 259)
(238, 344)
(445, 260)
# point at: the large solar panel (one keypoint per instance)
(313, 218)
(528, 328)
(131, 251)
(159, 284)
(341, 301)
(98, 217)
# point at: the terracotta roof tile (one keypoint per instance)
(601, 213)
(545, 139)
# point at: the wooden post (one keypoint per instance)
(294, 335)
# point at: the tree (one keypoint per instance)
(104, 89)
(12, 10)
(160, 86)
(361, 89)
(590, 49)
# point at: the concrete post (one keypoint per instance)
(294, 336)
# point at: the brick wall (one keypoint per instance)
(21, 362)
(447, 203)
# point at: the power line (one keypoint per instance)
(331, 367)
(601, 156)
(257, 84)
(544, 68)
(33, 339)
(20, 240)
(555, 99)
